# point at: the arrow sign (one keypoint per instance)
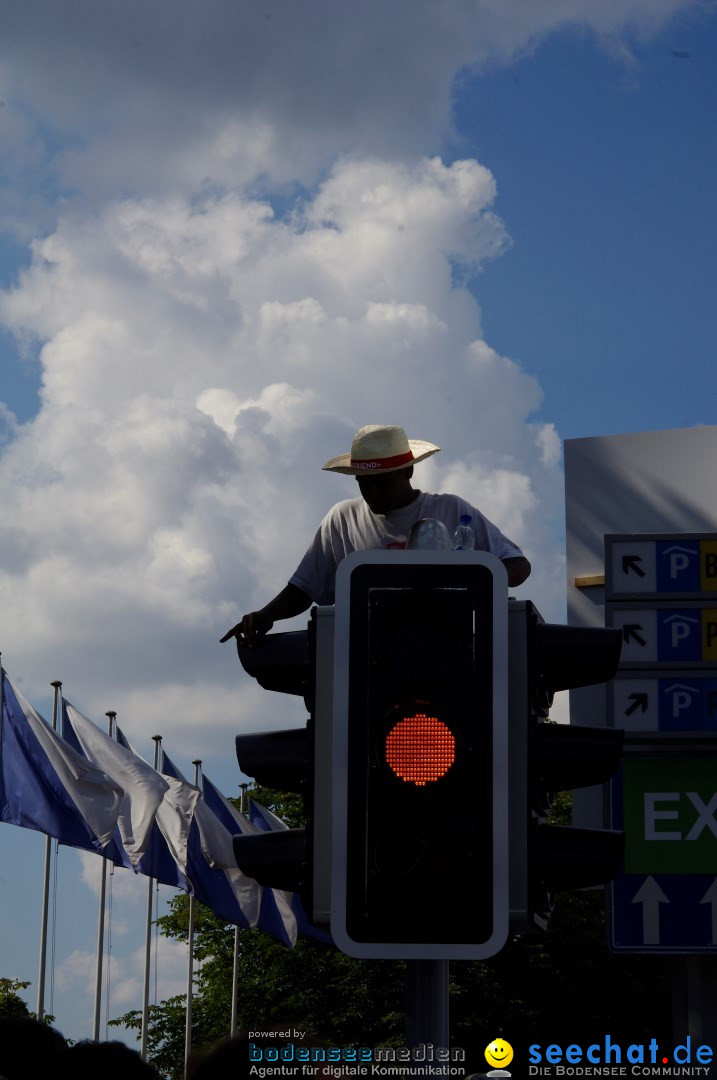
(710, 897)
(639, 701)
(630, 562)
(650, 895)
(629, 633)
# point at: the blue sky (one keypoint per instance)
(605, 176)
(503, 238)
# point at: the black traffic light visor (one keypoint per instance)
(278, 661)
(572, 656)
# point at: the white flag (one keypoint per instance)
(174, 817)
(144, 788)
(213, 872)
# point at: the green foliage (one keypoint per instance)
(285, 804)
(561, 810)
(11, 1004)
(319, 990)
(165, 1035)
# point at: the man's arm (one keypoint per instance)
(253, 626)
(518, 570)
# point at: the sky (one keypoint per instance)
(233, 232)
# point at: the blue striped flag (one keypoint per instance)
(46, 785)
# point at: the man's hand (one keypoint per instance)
(250, 630)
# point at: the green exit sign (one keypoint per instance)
(670, 815)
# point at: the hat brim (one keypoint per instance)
(342, 463)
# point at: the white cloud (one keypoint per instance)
(548, 442)
(77, 968)
(201, 361)
(128, 973)
(75, 974)
(504, 495)
(121, 883)
(160, 97)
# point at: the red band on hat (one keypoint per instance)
(377, 464)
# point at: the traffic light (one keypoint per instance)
(420, 861)
(547, 758)
(280, 759)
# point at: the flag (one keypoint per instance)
(218, 881)
(263, 818)
(277, 915)
(213, 873)
(144, 788)
(137, 842)
(166, 857)
(46, 785)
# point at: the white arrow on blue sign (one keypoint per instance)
(664, 913)
(681, 701)
(661, 565)
(663, 634)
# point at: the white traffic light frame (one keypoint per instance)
(498, 869)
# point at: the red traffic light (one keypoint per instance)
(420, 749)
(420, 753)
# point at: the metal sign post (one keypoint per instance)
(661, 592)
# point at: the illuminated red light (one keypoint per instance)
(420, 749)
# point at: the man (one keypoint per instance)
(382, 460)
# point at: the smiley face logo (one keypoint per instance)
(499, 1053)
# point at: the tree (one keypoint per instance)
(11, 1004)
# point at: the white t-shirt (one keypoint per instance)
(351, 526)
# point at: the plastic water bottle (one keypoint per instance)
(429, 534)
(464, 538)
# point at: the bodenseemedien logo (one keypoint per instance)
(300, 1060)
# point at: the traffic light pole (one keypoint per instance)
(427, 1003)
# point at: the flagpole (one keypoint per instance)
(57, 685)
(235, 976)
(101, 924)
(157, 739)
(190, 942)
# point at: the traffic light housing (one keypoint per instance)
(280, 759)
(547, 758)
(420, 863)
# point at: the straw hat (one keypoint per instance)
(380, 448)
